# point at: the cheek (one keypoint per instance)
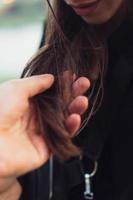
(112, 7)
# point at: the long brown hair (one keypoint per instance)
(70, 44)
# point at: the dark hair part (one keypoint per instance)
(70, 44)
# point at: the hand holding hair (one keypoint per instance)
(58, 114)
(21, 146)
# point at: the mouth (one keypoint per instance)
(86, 8)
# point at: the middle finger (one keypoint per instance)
(80, 86)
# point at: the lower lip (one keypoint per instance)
(85, 11)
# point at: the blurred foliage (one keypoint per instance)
(8, 77)
(15, 15)
(22, 12)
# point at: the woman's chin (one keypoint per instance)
(96, 20)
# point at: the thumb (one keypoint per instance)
(36, 84)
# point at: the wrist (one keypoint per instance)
(6, 183)
(11, 191)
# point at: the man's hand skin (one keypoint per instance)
(21, 149)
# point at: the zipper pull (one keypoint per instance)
(88, 194)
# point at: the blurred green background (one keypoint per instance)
(21, 26)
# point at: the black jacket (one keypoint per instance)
(108, 138)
